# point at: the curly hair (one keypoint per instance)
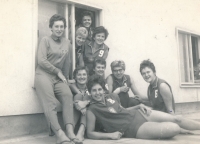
(95, 79)
(78, 69)
(147, 63)
(118, 63)
(87, 13)
(82, 31)
(98, 30)
(56, 17)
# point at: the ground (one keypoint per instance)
(43, 138)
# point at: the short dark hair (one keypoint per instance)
(147, 63)
(99, 61)
(56, 17)
(87, 13)
(100, 29)
(78, 69)
(95, 79)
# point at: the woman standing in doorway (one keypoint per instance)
(86, 21)
(51, 80)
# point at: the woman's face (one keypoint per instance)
(87, 21)
(148, 75)
(118, 72)
(81, 77)
(99, 38)
(80, 40)
(97, 92)
(99, 69)
(58, 28)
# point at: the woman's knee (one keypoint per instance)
(170, 130)
(178, 119)
(67, 95)
(161, 130)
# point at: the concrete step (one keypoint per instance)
(12, 126)
(43, 138)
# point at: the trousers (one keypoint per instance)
(50, 89)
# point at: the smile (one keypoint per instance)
(82, 79)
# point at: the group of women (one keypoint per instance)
(102, 106)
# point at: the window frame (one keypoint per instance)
(190, 33)
(99, 20)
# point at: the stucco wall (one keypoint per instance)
(138, 30)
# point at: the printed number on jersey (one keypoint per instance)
(111, 101)
(101, 52)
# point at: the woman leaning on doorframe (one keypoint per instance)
(51, 80)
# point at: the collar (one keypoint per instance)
(55, 38)
(91, 44)
(100, 102)
(155, 83)
(124, 79)
(86, 90)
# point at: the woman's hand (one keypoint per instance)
(138, 98)
(81, 104)
(116, 135)
(146, 110)
(62, 77)
(124, 89)
(71, 81)
(83, 111)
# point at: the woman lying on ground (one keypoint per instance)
(133, 122)
(159, 91)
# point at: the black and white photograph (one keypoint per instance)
(100, 72)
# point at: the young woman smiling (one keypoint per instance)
(51, 79)
(81, 35)
(120, 83)
(133, 122)
(159, 91)
(86, 21)
(95, 49)
(81, 100)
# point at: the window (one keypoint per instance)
(72, 11)
(189, 57)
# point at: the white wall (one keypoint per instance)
(138, 30)
(16, 58)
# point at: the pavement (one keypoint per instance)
(43, 138)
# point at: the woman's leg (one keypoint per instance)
(77, 115)
(154, 130)
(133, 102)
(44, 89)
(64, 95)
(157, 116)
(81, 131)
